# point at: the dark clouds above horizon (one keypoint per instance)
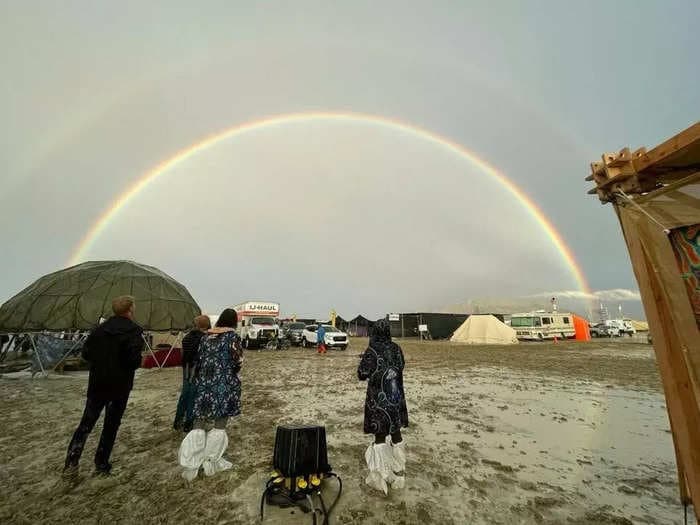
(320, 216)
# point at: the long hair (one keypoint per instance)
(227, 319)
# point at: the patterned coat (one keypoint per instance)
(382, 367)
(216, 382)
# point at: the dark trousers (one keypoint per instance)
(381, 438)
(114, 409)
(185, 405)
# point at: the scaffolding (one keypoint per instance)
(656, 196)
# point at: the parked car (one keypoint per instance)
(293, 332)
(604, 329)
(624, 326)
(334, 338)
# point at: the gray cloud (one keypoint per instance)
(361, 220)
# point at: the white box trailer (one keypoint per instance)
(257, 322)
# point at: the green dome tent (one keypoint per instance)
(77, 297)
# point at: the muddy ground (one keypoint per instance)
(565, 433)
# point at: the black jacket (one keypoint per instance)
(190, 345)
(113, 350)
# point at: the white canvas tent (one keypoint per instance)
(484, 330)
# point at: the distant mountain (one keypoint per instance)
(586, 307)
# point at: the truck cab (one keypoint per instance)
(257, 322)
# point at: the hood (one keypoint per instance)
(380, 332)
(118, 325)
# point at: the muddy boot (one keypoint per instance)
(70, 474)
(398, 465)
(379, 462)
(103, 469)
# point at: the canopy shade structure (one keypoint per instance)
(656, 195)
(77, 297)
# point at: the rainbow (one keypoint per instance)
(183, 155)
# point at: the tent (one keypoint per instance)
(359, 326)
(484, 329)
(341, 323)
(76, 298)
(583, 332)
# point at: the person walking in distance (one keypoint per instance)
(382, 367)
(190, 346)
(113, 350)
(321, 339)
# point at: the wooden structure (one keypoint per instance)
(656, 195)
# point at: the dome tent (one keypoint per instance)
(76, 298)
(484, 329)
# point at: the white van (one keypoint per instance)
(538, 326)
(257, 322)
(625, 326)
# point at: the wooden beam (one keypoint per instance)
(683, 141)
(670, 343)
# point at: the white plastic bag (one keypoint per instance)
(216, 445)
(191, 454)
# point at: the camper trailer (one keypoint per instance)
(257, 322)
(541, 325)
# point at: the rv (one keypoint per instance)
(541, 325)
(257, 322)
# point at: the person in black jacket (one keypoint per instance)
(113, 350)
(190, 344)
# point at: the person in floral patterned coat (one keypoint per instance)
(217, 398)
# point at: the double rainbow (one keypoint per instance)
(280, 120)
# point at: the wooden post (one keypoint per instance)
(681, 401)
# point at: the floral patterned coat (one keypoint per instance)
(216, 381)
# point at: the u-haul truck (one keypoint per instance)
(257, 322)
(537, 326)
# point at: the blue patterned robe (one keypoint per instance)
(382, 366)
(218, 388)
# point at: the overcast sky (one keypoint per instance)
(344, 215)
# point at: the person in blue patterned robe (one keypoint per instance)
(386, 413)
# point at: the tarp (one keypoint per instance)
(163, 358)
(50, 351)
(484, 329)
(76, 298)
(583, 332)
(440, 325)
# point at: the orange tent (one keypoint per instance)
(581, 328)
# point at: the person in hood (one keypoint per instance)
(321, 339)
(190, 347)
(386, 414)
(113, 350)
(217, 398)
